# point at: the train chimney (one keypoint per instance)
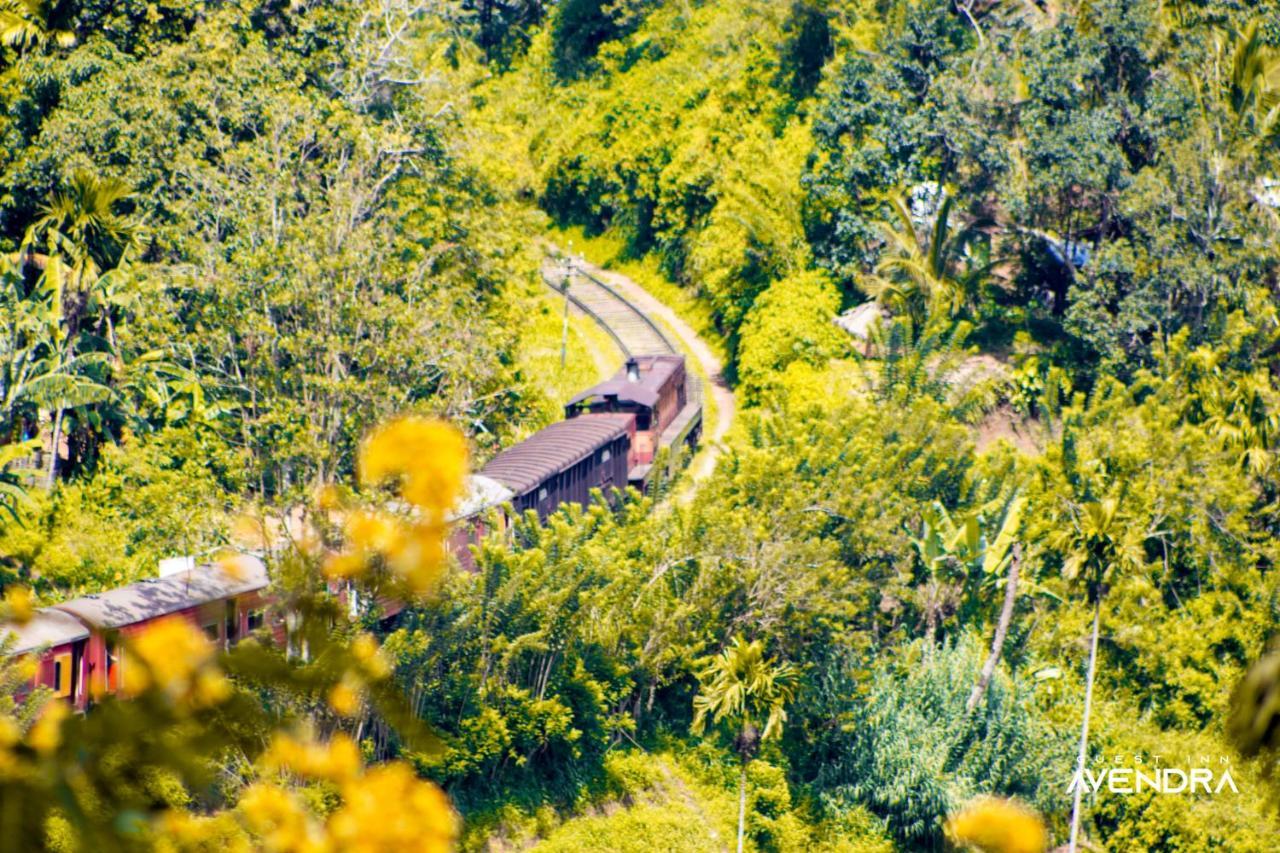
(633, 370)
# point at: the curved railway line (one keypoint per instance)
(627, 313)
(631, 329)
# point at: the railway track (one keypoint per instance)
(634, 331)
(631, 329)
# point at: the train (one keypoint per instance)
(76, 644)
(610, 438)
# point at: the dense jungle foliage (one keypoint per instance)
(1040, 487)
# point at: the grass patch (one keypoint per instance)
(590, 355)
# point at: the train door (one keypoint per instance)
(232, 623)
(113, 666)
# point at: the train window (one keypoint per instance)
(62, 675)
(257, 619)
(542, 494)
(605, 455)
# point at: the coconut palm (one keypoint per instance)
(1099, 544)
(1238, 92)
(744, 688)
(925, 277)
(80, 237)
(26, 24)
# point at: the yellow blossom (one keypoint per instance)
(28, 667)
(428, 456)
(46, 734)
(421, 821)
(11, 767)
(336, 761)
(365, 649)
(280, 821)
(250, 531)
(237, 566)
(176, 658)
(346, 565)
(995, 825)
(329, 498)
(180, 830)
(344, 698)
(9, 732)
(18, 604)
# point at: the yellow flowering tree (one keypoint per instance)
(249, 749)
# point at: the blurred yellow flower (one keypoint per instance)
(180, 830)
(372, 531)
(365, 649)
(428, 456)
(250, 531)
(176, 658)
(46, 734)
(237, 566)
(336, 761)
(422, 819)
(344, 698)
(18, 605)
(280, 821)
(995, 825)
(28, 667)
(9, 732)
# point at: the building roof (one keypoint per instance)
(148, 599)
(858, 321)
(46, 628)
(556, 448)
(625, 390)
(482, 492)
(655, 372)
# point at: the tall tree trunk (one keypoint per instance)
(1002, 630)
(53, 455)
(742, 804)
(1078, 779)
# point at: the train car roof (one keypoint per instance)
(46, 628)
(155, 597)
(655, 372)
(553, 449)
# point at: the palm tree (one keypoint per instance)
(925, 277)
(1251, 88)
(25, 24)
(13, 492)
(1099, 544)
(744, 687)
(83, 237)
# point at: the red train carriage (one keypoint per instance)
(73, 638)
(225, 605)
(565, 461)
(59, 640)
